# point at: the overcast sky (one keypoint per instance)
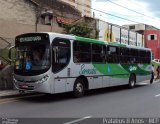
(149, 11)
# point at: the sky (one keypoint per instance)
(146, 11)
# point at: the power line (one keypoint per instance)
(113, 14)
(131, 9)
(109, 13)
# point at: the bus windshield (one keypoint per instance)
(32, 59)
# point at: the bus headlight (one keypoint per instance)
(42, 80)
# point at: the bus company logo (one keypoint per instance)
(132, 68)
(108, 69)
(87, 71)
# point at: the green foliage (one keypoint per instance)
(81, 29)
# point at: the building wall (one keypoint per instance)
(21, 11)
(138, 27)
(152, 40)
(10, 29)
(71, 2)
(84, 6)
(87, 9)
(20, 16)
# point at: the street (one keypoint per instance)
(142, 101)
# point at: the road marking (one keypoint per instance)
(8, 100)
(157, 95)
(81, 119)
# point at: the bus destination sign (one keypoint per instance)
(29, 39)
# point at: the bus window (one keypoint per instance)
(148, 60)
(32, 54)
(112, 54)
(60, 54)
(32, 58)
(142, 54)
(98, 53)
(134, 56)
(81, 52)
(123, 56)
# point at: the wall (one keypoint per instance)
(6, 78)
(114, 33)
(10, 29)
(153, 44)
(21, 11)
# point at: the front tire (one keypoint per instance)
(79, 88)
(132, 81)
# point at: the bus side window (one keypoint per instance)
(81, 52)
(60, 54)
(112, 54)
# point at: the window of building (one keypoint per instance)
(152, 37)
(132, 27)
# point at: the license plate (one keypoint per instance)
(24, 86)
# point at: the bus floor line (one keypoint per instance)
(81, 119)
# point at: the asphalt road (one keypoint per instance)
(142, 101)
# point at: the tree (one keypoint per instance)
(81, 29)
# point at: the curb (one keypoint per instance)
(16, 95)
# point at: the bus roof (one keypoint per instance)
(109, 43)
(74, 37)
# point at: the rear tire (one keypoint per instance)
(79, 88)
(132, 81)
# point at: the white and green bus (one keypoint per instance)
(57, 63)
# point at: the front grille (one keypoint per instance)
(26, 87)
(26, 81)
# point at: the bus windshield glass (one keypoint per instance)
(32, 57)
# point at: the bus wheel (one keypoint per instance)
(132, 81)
(79, 88)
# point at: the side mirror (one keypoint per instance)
(10, 53)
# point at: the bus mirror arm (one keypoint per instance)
(9, 54)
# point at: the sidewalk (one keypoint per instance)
(12, 93)
(8, 93)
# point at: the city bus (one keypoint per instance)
(57, 63)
